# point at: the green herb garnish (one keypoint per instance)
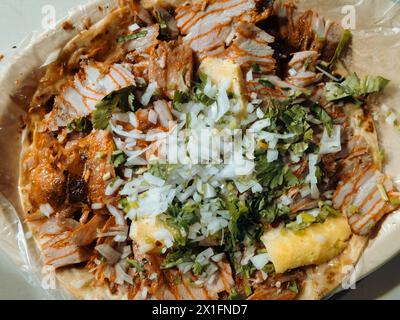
(118, 158)
(266, 83)
(122, 99)
(324, 117)
(180, 97)
(355, 87)
(80, 125)
(344, 40)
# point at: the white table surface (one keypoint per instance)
(22, 17)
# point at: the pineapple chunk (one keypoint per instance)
(315, 245)
(221, 71)
(151, 234)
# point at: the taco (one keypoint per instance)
(127, 199)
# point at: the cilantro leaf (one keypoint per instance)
(122, 99)
(160, 170)
(274, 175)
(198, 268)
(162, 23)
(177, 257)
(299, 148)
(272, 212)
(139, 266)
(256, 68)
(292, 286)
(323, 116)
(132, 36)
(181, 218)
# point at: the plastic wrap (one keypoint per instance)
(375, 50)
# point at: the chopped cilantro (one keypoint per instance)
(118, 158)
(162, 23)
(355, 87)
(266, 83)
(256, 68)
(198, 91)
(180, 97)
(351, 210)
(323, 116)
(177, 257)
(234, 295)
(305, 219)
(139, 266)
(122, 99)
(326, 211)
(160, 170)
(292, 286)
(198, 268)
(80, 125)
(344, 40)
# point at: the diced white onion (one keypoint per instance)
(152, 117)
(185, 267)
(97, 206)
(257, 188)
(312, 168)
(260, 125)
(113, 186)
(204, 256)
(247, 255)
(150, 90)
(128, 173)
(249, 75)
(118, 215)
(133, 119)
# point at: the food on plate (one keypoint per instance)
(204, 150)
